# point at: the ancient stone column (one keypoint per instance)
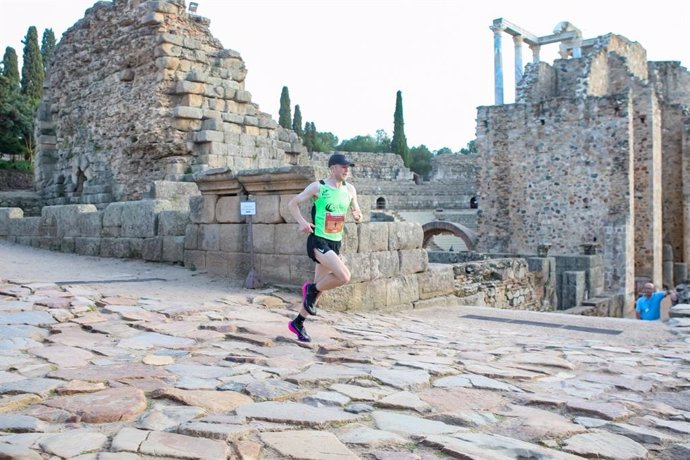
(667, 266)
(498, 64)
(517, 41)
(535, 53)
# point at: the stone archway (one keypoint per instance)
(380, 203)
(439, 227)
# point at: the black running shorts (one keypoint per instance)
(316, 243)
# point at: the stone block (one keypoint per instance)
(304, 208)
(202, 209)
(404, 235)
(90, 224)
(171, 38)
(191, 237)
(152, 249)
(65, 218)
(273, 268)
(87, 246)
(228, 210)
(353, 297)
(438, 280)
(212, 124)
(413, 261)
(572, 289)
(264, 238)
(172, 223)
(359, 265)
(195, 260)
(173, 249)
(112, 215)
(402, 290)
(268, 209)
(208, 136)
(239, 264)
(140, 218)
(67, 244)
(111, 232)
(49, 243)
(189, 101)
(289, 240)
(177, 193)
(233, 238)
(384, 264)
(350, 241)
(6, 214)
(26, 227)
(189, 87)
(243, 96)
(373, 236)
(301, 269)
(209, 237)
(192, 113)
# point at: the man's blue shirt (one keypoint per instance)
(650, 308)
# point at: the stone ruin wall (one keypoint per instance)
(593, 147)
(141, 91)
(384, 175)
(543, 187)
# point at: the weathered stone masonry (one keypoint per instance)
(141, 91)
(594, 151)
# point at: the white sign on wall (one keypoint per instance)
(247, 208)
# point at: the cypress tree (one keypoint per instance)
(284, 114)
(47, 47)
(399, 142)
(10, 67)
(309, 136)
(32, 67)
(297, 122)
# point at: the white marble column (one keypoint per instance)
(517, 41)
(498, 64)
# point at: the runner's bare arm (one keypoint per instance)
(308, 193)
(354, 204)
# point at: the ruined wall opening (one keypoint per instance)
(432, 229)
(380, 203)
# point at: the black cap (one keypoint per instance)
(339, 159)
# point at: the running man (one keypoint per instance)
(331, 199)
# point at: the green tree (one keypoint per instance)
(32, 67)
(359, 144)
(10, 67)
(421, 160)
(367, 143)
(47, 47)
(383, 142)
(284, 114)
(324, 141)
(444, 151)
(16, 120)
(470, 148)
(399, 143)
(309, 136)
(316, 141)
(297, 122)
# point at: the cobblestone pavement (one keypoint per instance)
(97, 364)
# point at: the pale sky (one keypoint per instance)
(344, 60)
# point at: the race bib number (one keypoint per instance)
(334, 222)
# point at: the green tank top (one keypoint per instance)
(328, 212)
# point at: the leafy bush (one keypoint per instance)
(17, 165)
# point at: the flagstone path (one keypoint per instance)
(87, 372)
